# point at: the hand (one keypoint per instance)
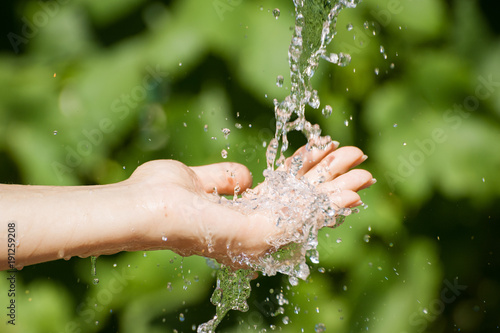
(184, 217)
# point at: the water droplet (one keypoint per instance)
(395, 125)
(184, 124)
(279, 81)
(376, 71)
(276, 13)
(366, 25)
(97, 322)
(164, 238)
(205, 128)
(180, 64)
(346, 122)
(392, 66)
(344, 288)
(223, 153)
(327, 111)
(314, 100)
(339, 240)
(181, 317)
(286, 320)
(382, 49)
(320, 327)
(186, 284)
(115, 264)
(226, 132)
(95, 281)
(196, 278)
(366, 238)
(169, 286)
(349, 27)
(321, 269)
(483, 180)
(293, 280)
(424, 310)
(238, 126)
(55, 132)
(314, 257)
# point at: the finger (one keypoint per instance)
(346, 199)
(223, 177)
(354, 180)
(310, 157)
(335, 164)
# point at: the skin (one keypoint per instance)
(163, 205)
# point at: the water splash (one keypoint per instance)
(231, 293)
(299, 210)
(295, 204)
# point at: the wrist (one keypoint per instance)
(114, 220)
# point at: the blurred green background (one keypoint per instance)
(92, 89)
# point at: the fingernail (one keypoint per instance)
(363, 158)
(335, 143)
(373, 181)
(357, 203)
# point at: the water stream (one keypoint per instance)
(299, 209)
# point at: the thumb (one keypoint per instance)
(224, 177)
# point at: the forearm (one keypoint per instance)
(53, 222)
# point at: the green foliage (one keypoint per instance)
(100, 87)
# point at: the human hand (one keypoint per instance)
(183, 216)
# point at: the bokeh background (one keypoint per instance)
(91, 89)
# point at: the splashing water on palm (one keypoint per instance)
(298, 208)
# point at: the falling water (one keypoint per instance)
(315, 28)
(295, 204)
